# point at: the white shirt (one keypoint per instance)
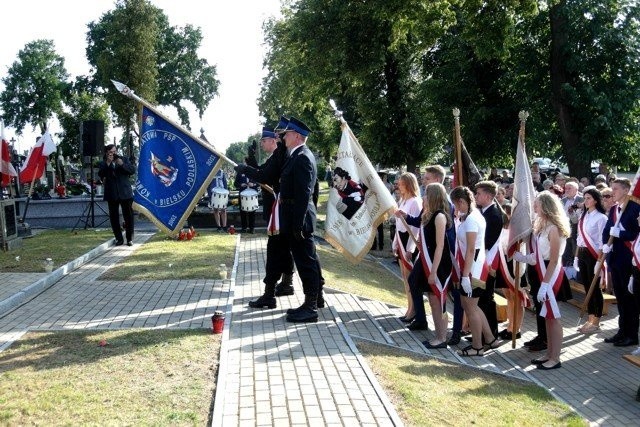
(593, 225)
(412, 207)
(473, 223)
(544, 245)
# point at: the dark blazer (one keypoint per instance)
(297, 211)
(620, 255)
(115, 179)
(269, 173)
(494, 220)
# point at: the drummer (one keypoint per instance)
(247, 216)
(219, 183)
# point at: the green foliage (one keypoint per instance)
(34, 86)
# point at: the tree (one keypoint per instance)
(34, 86)
(134, 44)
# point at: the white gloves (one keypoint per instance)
(606, 248)
(614, 231)
(465, 282)
(575, 264)
(529, 259)
(542, 293)
(630, 285)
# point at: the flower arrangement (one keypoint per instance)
(75, 187)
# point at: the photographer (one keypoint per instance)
(115, 171)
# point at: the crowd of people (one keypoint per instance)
(454, 242)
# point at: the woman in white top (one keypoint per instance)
(470, 258)
(589, 243)
(550, 231)
(404, 247)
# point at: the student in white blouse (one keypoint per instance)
(589, 243)
(403, 245)
(470, 256)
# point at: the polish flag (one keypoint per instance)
(36, 162)
(6, 168)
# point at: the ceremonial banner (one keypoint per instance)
(174, 171)
(522, 200)
(358, 201)
(469, 173)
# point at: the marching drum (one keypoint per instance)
(249, 200)
(219, 198)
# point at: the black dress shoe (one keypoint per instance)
(539, 361)
(406, 319)
(539, 346)
(430, 346)
(284, 290)
(536, 340)
(617, 337)
(546, 368)
(303, 315)
(455, 339)
(625, 342)
(263, 302)
(508, 335)
(418, 325)
(119, 242)
(129, 243)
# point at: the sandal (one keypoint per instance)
(492, 345)
(589, 328)
(466, 352)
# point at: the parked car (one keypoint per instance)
(544, 163)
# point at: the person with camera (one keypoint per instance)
(573, 204)
(115, 170)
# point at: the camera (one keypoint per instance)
(574, 206)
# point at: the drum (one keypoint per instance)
(249, 200)
(219, 198)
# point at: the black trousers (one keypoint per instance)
(307, 263)
(488, 305)
(627, 307)
(586, 264)
(379, 240)
(279, 259)
(127, 216)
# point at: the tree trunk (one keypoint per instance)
(560, 76)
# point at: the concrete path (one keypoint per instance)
(276, 373)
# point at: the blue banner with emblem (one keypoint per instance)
(174, 171)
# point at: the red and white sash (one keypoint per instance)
(438, 288)
(479, 269)
(273, 228)
(616, 222)
(503, 269)
(636, 251)
(587, 239)
(402, 251)
(550, 308)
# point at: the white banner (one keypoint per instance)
(358, 201)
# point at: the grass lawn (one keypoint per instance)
(162, 258)
(428, 392)
(140, 377)
(62, 246)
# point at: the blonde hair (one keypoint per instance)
(411, 184)
(551, 212)
(436, 196)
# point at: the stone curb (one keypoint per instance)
(49, 280)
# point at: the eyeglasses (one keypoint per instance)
(607, 196)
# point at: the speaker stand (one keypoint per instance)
(88, 214)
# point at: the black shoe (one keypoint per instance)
(625, 342)
(129, 243)
(406, 319)
(430, 346)
(546, 368)
(321, 303)
(534, 341)
(539, 346)
(539, 361)
(284, 290)
(418, 325)
(303, 315)
(251, 231)
(263, 302)
(508, 335)
(119, 242)
(617, 337)
(455, 339)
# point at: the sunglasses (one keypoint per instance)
(607, 196)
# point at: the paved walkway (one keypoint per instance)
(276, 373)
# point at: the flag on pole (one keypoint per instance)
(36, 162)
(522, 200)
(6, 168)
(358, 201)
(635, 185)
(174, 170)
(470, 173)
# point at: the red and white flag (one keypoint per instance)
(6, 168)
(522, 201)
(635, 185)
(36, 162)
